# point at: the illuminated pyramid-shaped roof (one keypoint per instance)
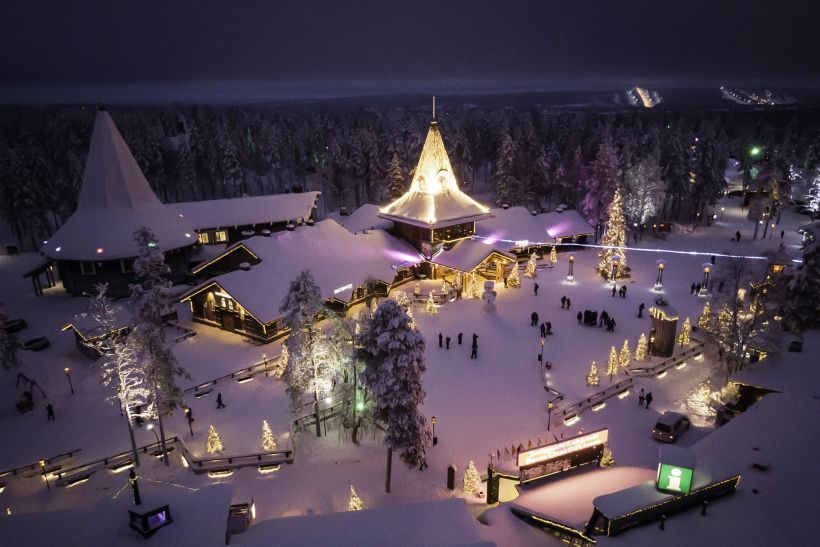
(115, 201)
(434, 199)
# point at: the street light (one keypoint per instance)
(68, 375)
(435, 439)
(707, 269)
(45, 475)
(571, 263)
(659, 280)
(755, 151)
(550, 406)
(159, 445)
(722, 209)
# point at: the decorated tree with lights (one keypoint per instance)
(625, 357)
(553, 255)
(531, 269)
(354, 503)
(514, 280)
(268, 438)
(214, 445)
(472, 287)
(607, 460)
(640, 351)
(592, 376)
(612, 364)
(401, 299)
(279, 366)
(614, 239)
(431, 305)
(472, 480)
(705, 318)
(685, 333)
(8, 345)
(393, 354)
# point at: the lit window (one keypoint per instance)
(221, 236)
(203, 238)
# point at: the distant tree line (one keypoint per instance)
(671, 163)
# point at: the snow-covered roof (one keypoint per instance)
(517, 225)
(467, 254)
(115, 201)
(434, 199)
(338, 260)
(365, 217)
(223, 213)
(787, 372)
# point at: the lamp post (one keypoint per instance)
(772, 231)
(571, 262)
(550, 406)
(707, 269)
(45, 476)
(722, 209)
(659, 280)
(159, 446)
(435, 439)
(68, 375)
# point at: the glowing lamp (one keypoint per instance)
(99, 250)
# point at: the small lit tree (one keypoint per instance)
(278, 369)
(268, 438)
(553, 256)
(514, 280)
(592, 377)
(625, 357)
(614, 239)
(472, 480)
(705, 317)
(606, 458)
(640, 351)
(612, 363)
(431, 305)
(532, 265)
(685, 333)
(214, 445)
(354, 503)
(472, 287)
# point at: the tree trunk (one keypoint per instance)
(162, 435)
(133, 442)
(316, 412)
(389, 469)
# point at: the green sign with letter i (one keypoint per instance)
(675, 479)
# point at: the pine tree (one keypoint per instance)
(268, 438)
(278, 368)
(801, 309)
(612, 363)
(640, 351)
(8, 345)
(354, 503)
(431, 305)
(600, 182)
(685, 333)
(506, 181)
(553, 256)
(214, 442)
(625, 357)
(531, 269)
(614, 240)
(395, 178)
(514, 280)
(592, 377)
(643, 190)
(706, 317)
(472, 480)
(393, 354)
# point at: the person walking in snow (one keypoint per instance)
(219, 403)
(604, 318)
(692, 289)
(474, 352)
(648, 399)
(533, 319)
(563, 302)
(49, 412)
(535, 289)
(623, 291)
(640, 309)
(440, 340)
(697, 288)
(580, 317)
(612, 325)
(568, 303)
(614, 290)
(549, 328)
(737, 236)
(459, 337)
(641, 397)
(543, 330)
(447, 340)
(505, 281)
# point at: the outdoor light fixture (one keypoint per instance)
(624, 394)
(68, 375)
(755, 151)
(571, 263)
(707, 269)
(659, 280)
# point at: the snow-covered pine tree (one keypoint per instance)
(268, 438)
(599, 182)
(313, 365)
(592, 376)
(507, 184)
(625, 357)
(472, 480)
(395, 178)
(8, 345)
(643, 190)
(232, 182)
(277, 368)
(532, 266)
(354, 503)
(553, 255)
(431, 305)
(612, 363)
(640, 351)
(705, 318)
(514, 280)
(393, 354)
(801, 309)
(214, 445)
(685, 333)
(614, 240)
(149, 299)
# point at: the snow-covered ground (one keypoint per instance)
(480, 405)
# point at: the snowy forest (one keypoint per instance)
(670, 164)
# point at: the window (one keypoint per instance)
(87, 268)
(221, 236)
(203, 238)
(127, 266)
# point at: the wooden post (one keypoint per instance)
(389, 469)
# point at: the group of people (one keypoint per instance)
(621, 292)
(592, 318)
(644, 398)
(444, 341)
(565, 302)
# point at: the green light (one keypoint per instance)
(755, 151)
(674, 479)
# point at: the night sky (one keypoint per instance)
(569, 44)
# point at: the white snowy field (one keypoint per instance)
(480, 405)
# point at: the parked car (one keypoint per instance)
(14, 325)
(36, 344)
(670, 426)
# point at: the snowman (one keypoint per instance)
(488, 296)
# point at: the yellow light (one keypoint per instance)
(184, 462)
(680, 366)
(598, 406)
(661, 375)
(265, 469)
(219, 473)
(245, 379)
(67, 370)
(2, 487)
(573, 419)
(699, 357)
(253, 510)
(122, 467)
(624, 394)
(76, 482)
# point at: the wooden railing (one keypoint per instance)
(50, 462)
(265, 365)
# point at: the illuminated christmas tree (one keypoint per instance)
(354, 503)
(417, 290)
(606, 458)
(625, 357)
(431, 305)
(268, 438)
(592, 377)
(724, 324)
(640, 351)
(553, 256)
(514, 280)
(472, 287)
(530, 270)
(705, 317)
(614, 240)
(214, 442)
(401, 299)
(472, 480)
(685, 333)
(612, 363)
